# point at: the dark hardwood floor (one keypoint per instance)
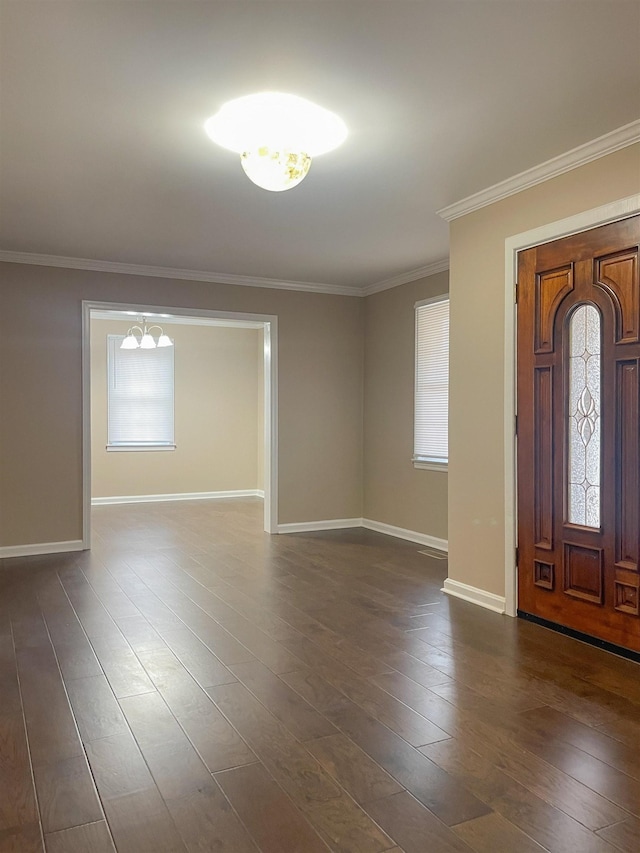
(194, 684)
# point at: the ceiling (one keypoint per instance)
(103, 153)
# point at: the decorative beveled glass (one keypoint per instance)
(584, 415)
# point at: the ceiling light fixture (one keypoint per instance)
(276, 136)
(146, 339)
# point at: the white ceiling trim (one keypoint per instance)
(64, 262)
(407, 277)
(600, 147)
(169, 272)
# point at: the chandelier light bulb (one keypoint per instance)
(130, 342)
(146, 339)
(276, 136)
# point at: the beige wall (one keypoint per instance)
(321, 355)
(394, 491)
(476, 410)
(219, 435)
(320, 393)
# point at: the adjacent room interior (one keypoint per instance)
(209, 412)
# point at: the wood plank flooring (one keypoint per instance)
(194, 684)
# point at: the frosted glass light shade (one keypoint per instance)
(275, 170)
(130, 342)
(276, 135)
(147, 342)
(164, 341)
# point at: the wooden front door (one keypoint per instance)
(579, 432)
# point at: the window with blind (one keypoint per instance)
(431, 424)
(140, 397)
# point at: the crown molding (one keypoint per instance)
(600, 147)
(407, 277)
(169, 272)
(11, 257)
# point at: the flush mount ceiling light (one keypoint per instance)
(276, 136)
(146, 339)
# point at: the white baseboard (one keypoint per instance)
(41, 548)
(183, 496)
(409, 535)
(378, 526)
(311, 526)
(485, 599)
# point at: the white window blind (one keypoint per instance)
(140, 395)
(432, 382)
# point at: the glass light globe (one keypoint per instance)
(130, 342)
(147, 342)
(164, 341)
(275, 170)
(277, 135)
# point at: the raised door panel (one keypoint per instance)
(627, 464)
(551, 288)
(618, 276)
(543, 457)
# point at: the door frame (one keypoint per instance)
(584, 221)
(269, 323)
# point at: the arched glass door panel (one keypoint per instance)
(584, 415)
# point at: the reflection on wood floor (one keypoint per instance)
(195, 684)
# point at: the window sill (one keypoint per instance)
(431, 466)
(135, 447)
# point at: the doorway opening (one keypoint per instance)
(127, 314)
